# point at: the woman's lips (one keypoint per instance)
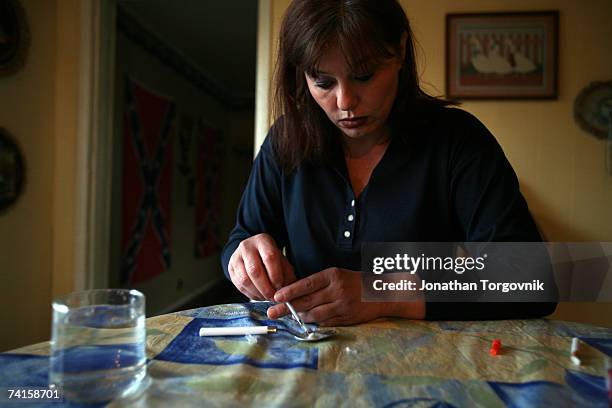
(353, 122)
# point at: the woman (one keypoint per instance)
(362, 154)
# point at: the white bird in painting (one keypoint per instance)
(479, 60)
(521, 63)
(499, 63)
(493, 63)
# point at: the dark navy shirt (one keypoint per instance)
(443, 178)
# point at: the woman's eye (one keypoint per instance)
(364, 78)
(323, 84)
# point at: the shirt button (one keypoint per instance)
(352, 203)
(347, 234)
(350, 217)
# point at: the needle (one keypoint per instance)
(296, 317)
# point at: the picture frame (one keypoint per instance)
(14, 37)
(12, 170)
(502, 55)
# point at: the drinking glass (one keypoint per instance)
(98, 344)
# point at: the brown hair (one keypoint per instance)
(366, 31)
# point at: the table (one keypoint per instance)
(383, 363)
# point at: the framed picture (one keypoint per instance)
(12, 170)
(14, 37)
(502, 55)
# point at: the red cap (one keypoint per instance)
(495, 347)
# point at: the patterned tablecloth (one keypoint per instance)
(384, 363)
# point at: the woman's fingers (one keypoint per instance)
(329, 297)
(321, 313)
(315, 294)
(241, 280)
(258, 268)
(303, 287)
(257, 273)
(277, 311)
(317, 313)
(272, 260)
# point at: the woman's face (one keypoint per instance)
(358, 103)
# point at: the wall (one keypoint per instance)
(66, 130)
(239, 163)
(561, 167)
(38, 106)
(165, 292)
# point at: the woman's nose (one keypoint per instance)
(346, 98)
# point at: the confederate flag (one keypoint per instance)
(148, 129)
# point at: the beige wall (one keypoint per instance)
(38, 106)
(561, 167)
(66, 129)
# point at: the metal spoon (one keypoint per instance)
(309, 334)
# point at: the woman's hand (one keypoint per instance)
(258, 267)
(332, 297)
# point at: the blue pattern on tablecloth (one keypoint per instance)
(412, 402)
(535, 393)
(603, 345)
(590, 387)
(24, 370)
(387, 392)
(29, 371)
(99, 357)
(189, 348)
(255, 310)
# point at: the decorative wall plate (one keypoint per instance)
(593, 112)
(593, 107)
(14, 37)
(12, 170)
